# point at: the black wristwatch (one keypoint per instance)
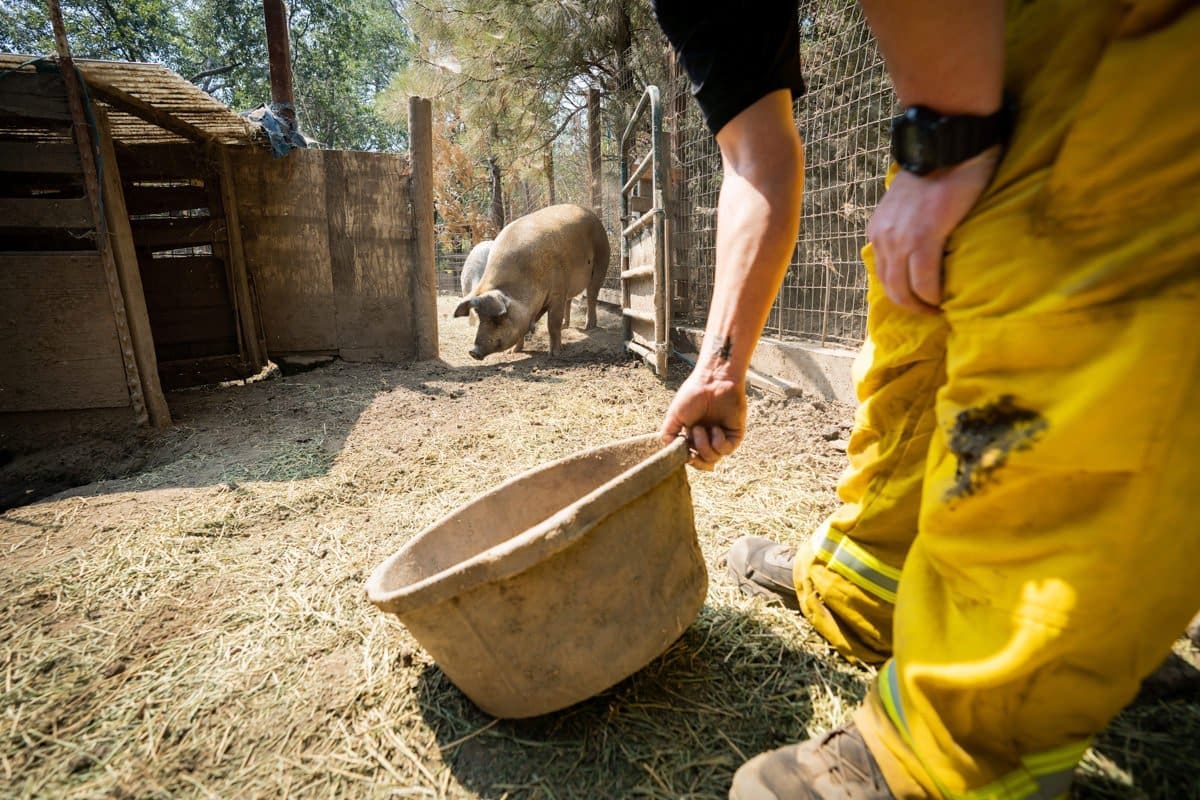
(924, 140)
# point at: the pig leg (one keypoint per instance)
(554, 323)
(593, 294)
(591, 312)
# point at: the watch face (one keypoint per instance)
(913, 140)
(913, 149)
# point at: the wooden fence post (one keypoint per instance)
(279, 57)
(247, 312)
(129, 276)
(424, 285)
(91, 182)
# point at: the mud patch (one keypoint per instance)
(982, 438)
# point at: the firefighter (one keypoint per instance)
(1016, 545)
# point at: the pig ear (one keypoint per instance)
(491, 305)
(463, 308)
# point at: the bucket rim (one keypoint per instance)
(519, 553)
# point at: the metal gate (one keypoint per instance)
(645, 301)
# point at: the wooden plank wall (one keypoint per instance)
(370, 241)
(328, 237)
(43, 205)
(285, 236)
(58, 333)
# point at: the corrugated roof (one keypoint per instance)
(135, 93)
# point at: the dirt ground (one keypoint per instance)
(191, 620)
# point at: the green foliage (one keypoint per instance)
(123, 30)
(343, 54)
(507, 78)
(517, 71)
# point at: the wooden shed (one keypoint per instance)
(216, 255)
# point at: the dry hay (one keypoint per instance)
(198, 628)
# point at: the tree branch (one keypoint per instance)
(547, 142)
(208, 73)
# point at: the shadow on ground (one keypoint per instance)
(1150, 750)
(730, 687)
(249, 430)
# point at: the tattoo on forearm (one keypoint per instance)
(726, 349)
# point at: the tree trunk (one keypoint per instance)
(624, 40)
(548, 168)
(594, 147)
(628, 92)
(497, 195)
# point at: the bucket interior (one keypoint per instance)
(511, 509)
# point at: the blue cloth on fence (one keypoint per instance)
(281, 129)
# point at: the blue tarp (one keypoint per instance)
(280, 128)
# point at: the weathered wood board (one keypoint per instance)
(285, 237)
(56, 158)
(328, 239)
(38, 212)
(176, 233)
(140, 199)
(159, 162)
(57, 334)
(34, 95)
(370, 247)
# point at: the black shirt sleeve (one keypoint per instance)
(734, 54)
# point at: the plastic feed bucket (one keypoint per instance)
(558, 583)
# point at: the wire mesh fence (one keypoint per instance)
(843, 118)
(565, 175)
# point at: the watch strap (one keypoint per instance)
(963, 137)
(924, 140)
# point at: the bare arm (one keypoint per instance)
(758, 217)
(947, 55)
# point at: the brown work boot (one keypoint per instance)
(764, 568)
(836, 766)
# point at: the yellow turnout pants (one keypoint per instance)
(1020, 529)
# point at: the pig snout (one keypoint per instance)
(486, 343)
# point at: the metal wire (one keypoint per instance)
(843, 119)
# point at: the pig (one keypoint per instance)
(472, 273)
(473, 267)
(472, 270)
(537, 264)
